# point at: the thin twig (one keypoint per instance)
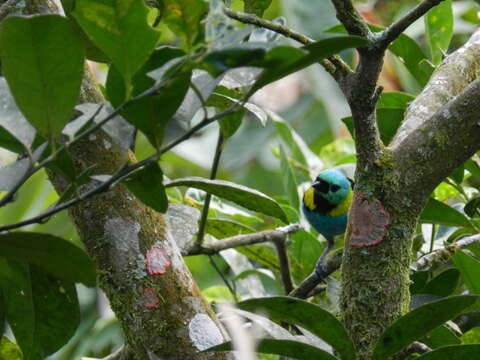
(244, 240)
(224, 279)
(208, 197)
(334, 65)
(351, 19)
(443, 255)
(284, 265)
(399, 26)
(120, 175)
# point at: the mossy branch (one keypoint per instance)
(351, 19)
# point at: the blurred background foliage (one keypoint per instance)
(312, 106)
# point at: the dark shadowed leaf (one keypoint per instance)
(309, 316)
(457, 174)
(184, 16)
(55, 255)
(120, 29)
(229, 124)
(289, 348)
(147, 186)
(9, 350)
(314, 53)
(241, 195)
(443, 284)
(439, 29)
(469, 268)
(473, 206)
(440, 336)
(289, 181)
(37, 306)
(418, 323)
(33, 54)
(453, 352)
(436, 212)
(256, 7)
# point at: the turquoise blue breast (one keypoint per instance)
(328, 226)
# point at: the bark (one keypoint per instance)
(163, 315)
(440, 131)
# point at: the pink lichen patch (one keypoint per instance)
(150, 298)
(368, 221)
(157, 260)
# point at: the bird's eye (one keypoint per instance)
(334, 188)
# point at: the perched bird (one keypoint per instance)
(325, 205)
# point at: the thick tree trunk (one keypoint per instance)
(159, 305)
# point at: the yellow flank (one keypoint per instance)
(343, 207)
(308, 199)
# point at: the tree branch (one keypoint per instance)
(284, 264)
(334, 65)
(351, 19)
(7, 8)
(278, 234)
(441, 256)
(398, 27)
(414, 348)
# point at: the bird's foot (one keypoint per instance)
(321, 270)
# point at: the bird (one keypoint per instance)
(325, 205)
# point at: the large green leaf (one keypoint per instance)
(42, 311)
(222, 228)
(288, 179)
(440, 336)
(120, 29)
(249, 198)
(289, 348)
(309, 316)
(55, 255)
(304, 252)
(439, 29)
(453, 352)
(469, 268)
(443, 284)
(184, 16)
(9, 350)
(418, 323)
(147, 186)
(314, 53)
(436, 212)
(44, 84)
(256, 7)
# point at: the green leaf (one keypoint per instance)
(439, 29)
(289, 181)
(120, 29)
(37, 307)
(248, 198)
(457, 174)
(469, 269)
(230, 124)
(472, 206)
(309, 316)
(183, 17)
(55, 255)
(256, 7)
(314, 53)
(221, 228)
(409, 52)
(443, 284)
(395, 99)
(418, 323)
(436, 212)
(452, 352)
(147, 186)
(9, 350)
(388, 120)
(289, 348)
(439, 337)
(45, 86)
(304, 252)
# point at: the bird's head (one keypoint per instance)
(331, 185)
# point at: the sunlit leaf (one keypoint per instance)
(44, 85)
(241, 195)
(469, 269)
(120, 29)
(439, 29)
(9, 350)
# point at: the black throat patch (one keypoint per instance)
(322, 205)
